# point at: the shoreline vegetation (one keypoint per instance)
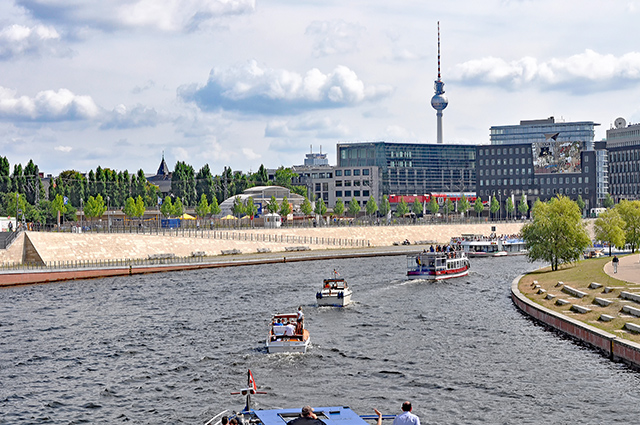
(543, 288)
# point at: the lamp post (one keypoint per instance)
(17, 196)
(108, 215)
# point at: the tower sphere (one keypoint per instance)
(439, 102)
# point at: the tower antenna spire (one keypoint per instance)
(439, 101)
(438, 50)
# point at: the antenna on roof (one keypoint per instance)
(438, 50)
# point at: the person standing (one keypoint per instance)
(406, 417)
(300, 317)
(615, 262)
(308, 417)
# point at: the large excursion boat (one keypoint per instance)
(438, 265)
(334, 415)
(334, 292)
(286, 336)
(490, 246)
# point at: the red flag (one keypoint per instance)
(252, 382)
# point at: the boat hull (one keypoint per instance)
(287, 345)
(333, 300)
(435, 277)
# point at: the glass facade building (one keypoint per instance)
(532, 131)
(623, 145)
(414, 168)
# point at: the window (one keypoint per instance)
(338, 193)
(365, 172)
(365, 193)
(347, 173)
(347, 193)
(338, 173)
(365, 182)
(317, 187)
(481, 164)
(325, 187)
(347, 182)
(586, 168)
(338, 183)
(356, 193)
(356, 172)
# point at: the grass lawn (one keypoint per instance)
(579, 276)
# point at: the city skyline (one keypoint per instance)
(241, 83)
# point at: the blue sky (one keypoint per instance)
(87, 83)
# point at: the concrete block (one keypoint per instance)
(560, 301)
(550, 296)
(606, 318)
(608, 289)
(560, 283)
(631, 310)
(595, 285)
(580, 309)
(602, 301)
(541, 291)
(632, 327)
(572, 291)
(630, 296)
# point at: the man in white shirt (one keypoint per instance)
(406, 417)
(289, 330)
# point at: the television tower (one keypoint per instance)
(439, 100)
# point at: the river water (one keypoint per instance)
(169, 348)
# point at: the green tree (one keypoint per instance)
(5, 175)
(523, 207)
(285, 207)
(402, 209)
(306, 207)
(130, 207)
(178, 207)
(495, 206)
(95, 207)
(338, 208)
(478, 207)
(354, 207)
(385, 206)
(203, 209)
(58, 206)
(167, 207)
(214, 208)
(260, 177)
(556, 234)
(204, 184)
(630, 213)
(238, 207)
(371, 207)
(284, 177)
(608, 227)
(448, 207)
(608, 201)
(250, 208)
(321, 208)
(140, 207)
(272, 205)
(509, 207)
(183, 183)
(416, 207)
(463, 205)
(433, 206)
(581, 204)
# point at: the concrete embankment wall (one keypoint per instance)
(613, 347)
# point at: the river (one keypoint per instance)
(169, 348)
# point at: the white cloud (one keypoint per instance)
(17, 40)
(48, 105)
(581, 72)
(308, 126)
(334, 37)
(163, 15)
(250, 154)
(122, 117)
(63, 148)
(252, 89)
(181, 154)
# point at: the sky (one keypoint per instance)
(240, 83)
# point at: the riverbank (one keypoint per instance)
(587, 303)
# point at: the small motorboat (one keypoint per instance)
(286, 335)
(437, 265)
(335, 292)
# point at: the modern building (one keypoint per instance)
(623, 146)
(413, 168)
(532, 131)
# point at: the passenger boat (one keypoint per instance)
(437, 265)
(488, 246)
(278, 342)
(333, 415)
(334, 292)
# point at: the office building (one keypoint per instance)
(623, 146)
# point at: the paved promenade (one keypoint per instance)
(628, 268)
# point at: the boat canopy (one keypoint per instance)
(337, 415)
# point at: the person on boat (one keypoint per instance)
(308, 418)
(289, 330)
(300, 315)
(406, 417)
(225, 420)
(379, 422)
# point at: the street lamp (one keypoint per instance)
(108, 215)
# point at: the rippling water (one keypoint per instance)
(168, 348)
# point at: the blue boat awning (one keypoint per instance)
(338, 415)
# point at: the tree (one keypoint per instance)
(203, 209)
(371, 207)
(354, 207)
(495, 206)
(250, 208)
(417, 207)
(385, 206)
(478, 207)
(238, 207)
(285, 207)
(58, 206)
(306, 207)
(523, 207)
(608, 201)
(214, 208)
(321, 208)
(178, 208)
(338, 208)
(448, 207)
(433, 206)
(183, 183)
(463, 205)
(273, 206)
(509, 207)
(581, 204)
(630, 212)
(284, 176)
(608, 227)
(130, 207)
(95, 207)
(204, 184)
(402, 209)
(140, 207)
(556, 234)
(167, 207)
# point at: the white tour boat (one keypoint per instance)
(287, 339)
(437, 265)
(487, 246)
(334, 292)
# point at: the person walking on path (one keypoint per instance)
(406, 417)
(615, 262)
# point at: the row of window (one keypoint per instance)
(549, 191)
(356, 193)
(625, 178)
(501, 161)
(339, 183)
(503, 151)
(356, 172)
(500, 172)
(541, 180)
